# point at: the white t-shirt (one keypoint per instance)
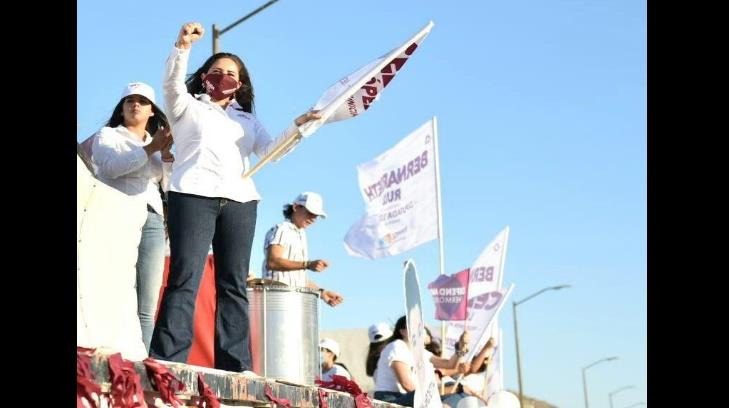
(475, 381)
(398, 350)
(293, 241)
(335, 370)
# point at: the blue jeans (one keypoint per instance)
(193, 222)
(453, 399)
(150, 268)
(408, 399)
(395, 397)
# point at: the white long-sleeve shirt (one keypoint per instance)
(212, 145)
(122, 163)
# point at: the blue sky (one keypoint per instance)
(541, 109)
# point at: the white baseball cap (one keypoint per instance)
(312, 202)
(139, 88)
(379, 332)
(330, 345)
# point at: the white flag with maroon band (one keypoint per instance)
(484, 281)
(354, 94)
(399, 190)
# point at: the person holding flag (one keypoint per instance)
(214, 131)
(394, 379)
(475, 376)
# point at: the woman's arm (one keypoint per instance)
(275, 261)
(483, 355)
(112, 159)
(265, 144)
(452, 363)
(461, 368)
(176, 97)
(402, 373)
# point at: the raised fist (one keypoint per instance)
(189, 33)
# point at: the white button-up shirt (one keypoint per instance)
(212, 145)
(123, 164)
(293, 241)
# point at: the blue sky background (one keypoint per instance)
(541, 109)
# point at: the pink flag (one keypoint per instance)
(450, 294)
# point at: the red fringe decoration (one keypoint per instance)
(86, 387)
(207, 397)
(126, 388)
(323, 399)
(276, 401)
(341, 383)
(164, 382)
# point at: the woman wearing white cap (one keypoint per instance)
(215, 132)
(128, 154)
(378, 333)
(285, 249)
(328, 354)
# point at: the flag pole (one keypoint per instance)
(501, 283)
(440, 233)
(486, 332)
(326, 112)
(275, 152)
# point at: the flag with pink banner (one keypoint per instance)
(450, 295)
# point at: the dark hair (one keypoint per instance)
(375, 349)
(427, 331)
(288, 211)
(153, 124)
(401, 324)
(486, 362)
(373, 354)
(244, 95)
(434, 346)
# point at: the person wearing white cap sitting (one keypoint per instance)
(328, 355)
(286, 253)
(128, 155)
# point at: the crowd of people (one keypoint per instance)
(391, 364)
(186, 162)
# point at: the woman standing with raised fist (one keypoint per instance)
(209, 201)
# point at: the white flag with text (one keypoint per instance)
(399, 190)
(485, 280)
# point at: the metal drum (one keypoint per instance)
(284, 331)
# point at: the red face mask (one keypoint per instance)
(219, 86)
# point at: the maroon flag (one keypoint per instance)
(450, 294)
